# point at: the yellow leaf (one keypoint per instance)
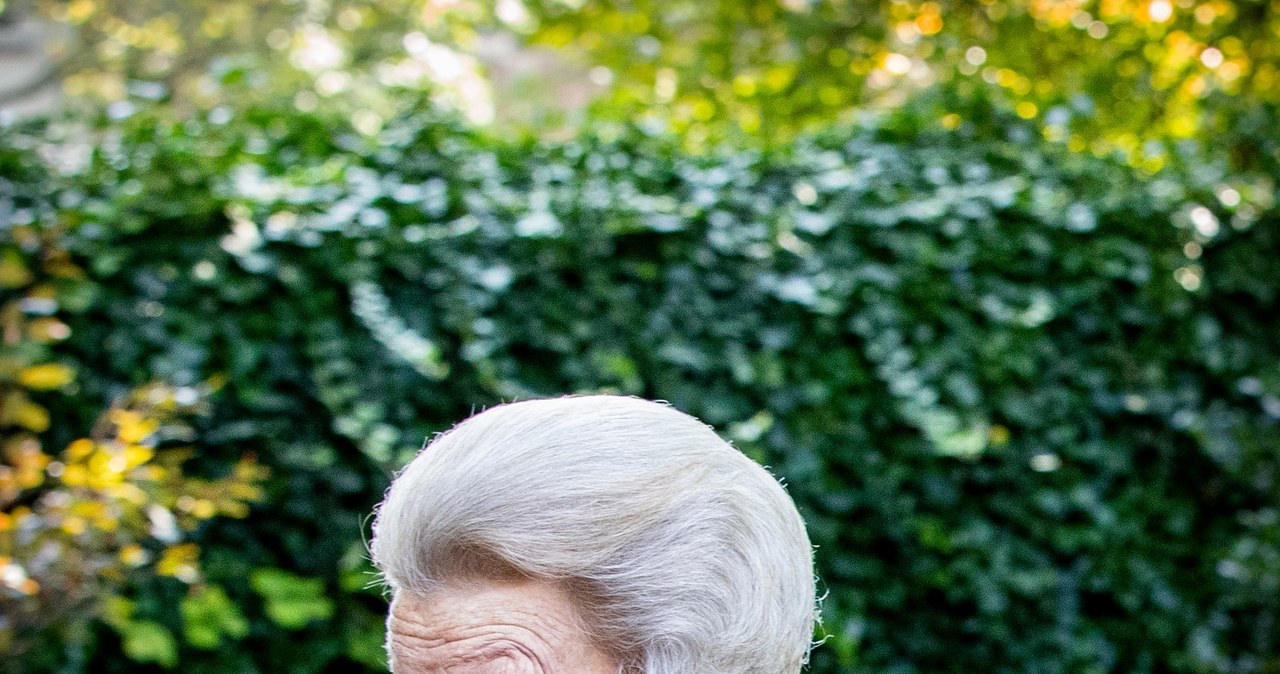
(131, 427)
(79, 11)
(245, 492)
(79, 449)
(29, 415)
(46, 376)
(179, 561)
(13, 272)
(136, 455)
(133, 555)
(250, 469)
(106, 465)
(203, 509)
(128, 492)
(75, 476)
(234, 509)
(150, 473)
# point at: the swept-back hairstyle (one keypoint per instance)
(685, 556)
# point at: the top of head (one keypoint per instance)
(682, 540)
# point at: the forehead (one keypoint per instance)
(490, 628)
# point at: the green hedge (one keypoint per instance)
(1020, 442)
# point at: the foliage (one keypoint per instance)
(317, 50)
(78, 528)
(1028, 400)
(1099, 75)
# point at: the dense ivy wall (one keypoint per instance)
(1028, 433)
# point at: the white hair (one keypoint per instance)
(686, 556)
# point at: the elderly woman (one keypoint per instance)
(592, 535)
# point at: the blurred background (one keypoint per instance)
(994, 286)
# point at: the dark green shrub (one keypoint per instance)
(1029, 434)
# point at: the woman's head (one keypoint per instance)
(676, 553)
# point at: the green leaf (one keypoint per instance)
(147, 641)
(368, 647)
(208, 614)
(291, 601)
(117, 611)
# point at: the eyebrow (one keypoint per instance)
(477, 661)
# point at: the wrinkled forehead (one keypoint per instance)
(505, 627)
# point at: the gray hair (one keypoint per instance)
(686, 556)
